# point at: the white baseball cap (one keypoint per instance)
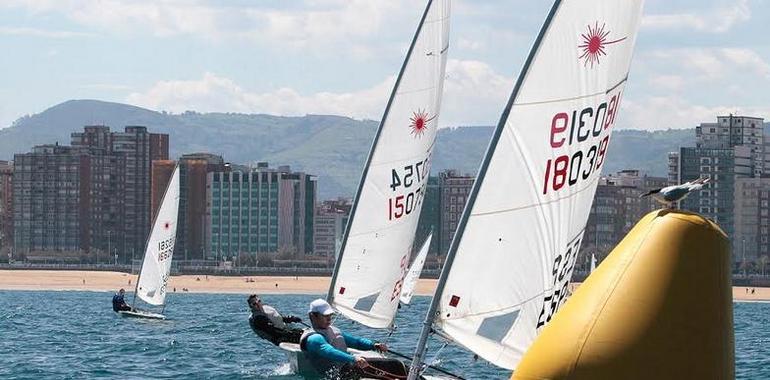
(321, 306)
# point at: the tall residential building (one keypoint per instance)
(6, 206)
(730, 131)
(93, 196)
(331, 218)
(617, 207)
(752, 219)
(726, 152)
(454, 189)
(722, 166)
(261, 210)
(130, 153)
(60, 200)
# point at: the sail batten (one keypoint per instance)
(376, 247)
(525, 218)
(156, 265)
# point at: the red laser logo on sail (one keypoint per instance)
(419, 123)
(167, 225)
(594, 44)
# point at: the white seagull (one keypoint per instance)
(671, 194)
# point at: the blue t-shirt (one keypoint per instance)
(316, 344)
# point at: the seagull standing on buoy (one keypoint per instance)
(671, 194)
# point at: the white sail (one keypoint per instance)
(410, 281)
(516, 245)
(156, 266)
(375, 253)
(593, 263)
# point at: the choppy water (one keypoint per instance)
(75, 335)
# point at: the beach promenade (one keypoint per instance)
(111, 281)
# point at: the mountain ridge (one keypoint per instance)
(332, 147)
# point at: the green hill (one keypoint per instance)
(332, 147)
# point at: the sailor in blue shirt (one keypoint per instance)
(118, 303)
(326, 348)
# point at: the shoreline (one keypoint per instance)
(57, 280)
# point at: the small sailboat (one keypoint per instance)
(410, 280)
(375, 250)
(151, 286)
(509, 266)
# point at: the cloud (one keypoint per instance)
(719, 20)
(664, 112)
(33, 32)
(313, 24)
(214, 93)
(709, 64)
(474, 95)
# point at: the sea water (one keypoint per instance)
(75, 335)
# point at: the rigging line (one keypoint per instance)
(575, 97)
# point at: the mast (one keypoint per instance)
(330, 294)
(147, 243)
(430, 316)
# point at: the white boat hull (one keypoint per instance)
(141, 314)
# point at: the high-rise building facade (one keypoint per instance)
(91, 197)
(730, 131)
(752, 219)
(455, 190)
(60, 200)
(6, 206)
(260, 210)
(330, 221)
(130, 153)
(617, 207)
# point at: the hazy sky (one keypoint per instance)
(694, 59)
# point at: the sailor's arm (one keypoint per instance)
(318, 345)
(358, 343)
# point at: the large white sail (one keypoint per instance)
(375, 253)
(156, 266)
(410, 280)
(517, 242)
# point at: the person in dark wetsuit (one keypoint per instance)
(270, 325)
(118, 303)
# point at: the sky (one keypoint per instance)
(694, 59)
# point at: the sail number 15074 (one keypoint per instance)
(411, 181)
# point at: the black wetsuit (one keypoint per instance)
(266, 330)
(119, 304)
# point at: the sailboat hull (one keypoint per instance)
(141, 314)
(300, 365)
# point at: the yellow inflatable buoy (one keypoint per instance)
(658, 307)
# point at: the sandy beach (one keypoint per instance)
(111, 281)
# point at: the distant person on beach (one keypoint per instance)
(118, 303)
(270, 325)
(327, 348)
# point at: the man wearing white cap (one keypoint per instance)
(327, 346)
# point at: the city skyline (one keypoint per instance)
(341, 57)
